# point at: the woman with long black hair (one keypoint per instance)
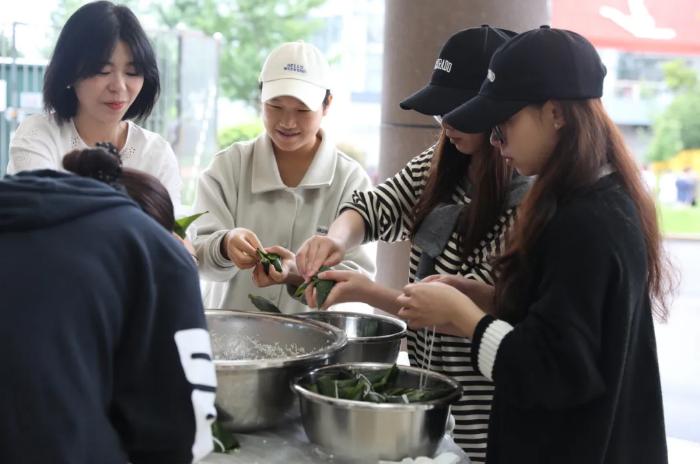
(454, 202)
(570, 343)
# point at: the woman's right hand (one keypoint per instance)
(350, 286)
(240, 246)
(317, 251)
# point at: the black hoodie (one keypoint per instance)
(101, 316)
(577, 376)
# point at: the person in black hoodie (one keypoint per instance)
(107, 356)
(567, 335)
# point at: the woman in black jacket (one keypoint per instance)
(568, 339)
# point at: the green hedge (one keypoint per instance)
(240, 132)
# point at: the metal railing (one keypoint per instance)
(182, 88)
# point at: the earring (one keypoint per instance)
(556, 126)
(68, 87)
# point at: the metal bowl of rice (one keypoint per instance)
(371, 337)
(256, 356)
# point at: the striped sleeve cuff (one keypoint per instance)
(487, 339)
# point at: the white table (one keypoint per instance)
(290, 445)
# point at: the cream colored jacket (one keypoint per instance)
(243, 188)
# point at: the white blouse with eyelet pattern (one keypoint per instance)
(41, 143)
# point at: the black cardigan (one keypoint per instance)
(577, 379)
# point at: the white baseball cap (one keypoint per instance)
(296, 69)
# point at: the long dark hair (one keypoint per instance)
(588, 141)
(488, 196)
(103, 164)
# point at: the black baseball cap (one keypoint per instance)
(458, 71)
(533, 67)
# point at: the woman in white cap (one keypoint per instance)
(568, 338)
(455, 202)
(275, 191)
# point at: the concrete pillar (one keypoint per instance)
(415, 30)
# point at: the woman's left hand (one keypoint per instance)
(429, 304)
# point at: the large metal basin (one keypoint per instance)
(256, 356)
(370, 431)
(371, 337)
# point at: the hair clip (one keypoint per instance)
(111, 149)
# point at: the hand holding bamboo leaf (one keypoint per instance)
(323, 287)
(240, 246)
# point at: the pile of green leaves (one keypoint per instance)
(323, 286)
(372, 386)
(267, 259)
(263, 304)
(183, 223)
(224, 441)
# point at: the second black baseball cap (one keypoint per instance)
(459, 70)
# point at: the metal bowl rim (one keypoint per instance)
(260, 364)
(355, 404)
(381, 338)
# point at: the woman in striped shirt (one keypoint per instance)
(454, 202)
(569, 336)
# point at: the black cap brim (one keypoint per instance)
(481, 114)
(436, 100)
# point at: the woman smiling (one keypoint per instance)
(93, 93)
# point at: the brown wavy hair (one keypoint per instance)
(588, 141)
(489, 194)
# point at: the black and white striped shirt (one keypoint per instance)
(387, 211)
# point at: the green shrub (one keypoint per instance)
(240, 132)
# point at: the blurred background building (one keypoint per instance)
(210, 53)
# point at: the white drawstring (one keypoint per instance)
(423, 379)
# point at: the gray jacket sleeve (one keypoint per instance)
(219, 198)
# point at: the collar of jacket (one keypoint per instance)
(266, 174)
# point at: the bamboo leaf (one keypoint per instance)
(375, 387)
(263, 304)
(269, 258)
(224, 437)
(183, 223)
(323, 286)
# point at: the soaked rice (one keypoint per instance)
(251, 348)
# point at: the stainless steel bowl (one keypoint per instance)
(371, 337)
(256, 356)
(371, 431)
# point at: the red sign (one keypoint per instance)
(666, 26)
